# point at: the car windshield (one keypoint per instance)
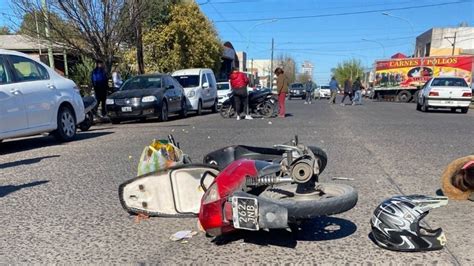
(449, 82)
(188, 80)
(325, 87)
(142, 82)
(296, 86)
(222, 86)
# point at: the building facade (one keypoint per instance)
(445, 41)
(307, 68)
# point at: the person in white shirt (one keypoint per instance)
(116, 79)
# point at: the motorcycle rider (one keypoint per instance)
(239, 82)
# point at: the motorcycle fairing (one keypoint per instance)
(173, 192)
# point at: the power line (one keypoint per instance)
(345, 13)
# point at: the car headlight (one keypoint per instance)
(191, 94)
(109, 101)
(148, 99)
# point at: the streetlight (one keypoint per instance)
(407, 21)
(377, 42)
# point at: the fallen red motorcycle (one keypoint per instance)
(254, 194)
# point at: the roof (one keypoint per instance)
(398, 55)
(24, 43)
(190, 71)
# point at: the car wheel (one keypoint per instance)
(199, 110)
(214, 107)
(424, 107)
(404, 96)
(464, 110)
(453, 110)
(164, 112)
(66, 130)
(418, 105)
(115, 121)
(184, 109)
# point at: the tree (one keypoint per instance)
(303, 78)
(4, 30)
(97, 27)
(33, 24)
(187, 40)
(289, 66)
(348, 69)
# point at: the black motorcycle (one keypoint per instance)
(90, 103)
(261, 103)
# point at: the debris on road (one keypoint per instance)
(342, 178)
(140, 217)
(181, 235)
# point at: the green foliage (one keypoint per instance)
(4, 30)
(187, 40)
(348, 69)
(35, 17)
(81, 72)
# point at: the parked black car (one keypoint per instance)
(144, 96)
(297, 90)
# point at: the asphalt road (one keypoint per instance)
(59, 203)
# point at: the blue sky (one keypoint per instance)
(325, 39)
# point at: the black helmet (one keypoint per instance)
(396, 224)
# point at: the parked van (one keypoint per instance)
(200, 88)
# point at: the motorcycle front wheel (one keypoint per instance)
(327, 199)
(226, 111)
(267, 109)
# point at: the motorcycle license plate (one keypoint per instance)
(126, 109)
(245, 213)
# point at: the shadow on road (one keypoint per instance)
(26, 161)
(319, 229)
(5, 190)
(40, 142)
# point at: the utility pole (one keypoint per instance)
(37, 34)
(46, 30)
(453, 43)
(271, 67)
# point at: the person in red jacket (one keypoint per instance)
(239, 82)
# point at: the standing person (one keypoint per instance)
(309, 92)
(347, 90)
(239, 82)
(116, 79)
(334, 88)
(100, 83)
(282, 90)
(357, 87)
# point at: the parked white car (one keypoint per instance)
(445, 92)
(322, 92)
(34, 99)
(223, 91)
(200, 88)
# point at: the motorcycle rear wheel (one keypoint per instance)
(328, 199)
(226, 111)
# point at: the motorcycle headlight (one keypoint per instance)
(148, 99)
(191, 94)
(109, 101)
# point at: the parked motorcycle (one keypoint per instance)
(90, 103)
(252, 194)
(261, 102)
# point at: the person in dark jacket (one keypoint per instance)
(356, 88)
(347, 90)
(100, 84)
(239, 82)
(309, 91)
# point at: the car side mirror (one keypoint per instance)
(205, 85)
